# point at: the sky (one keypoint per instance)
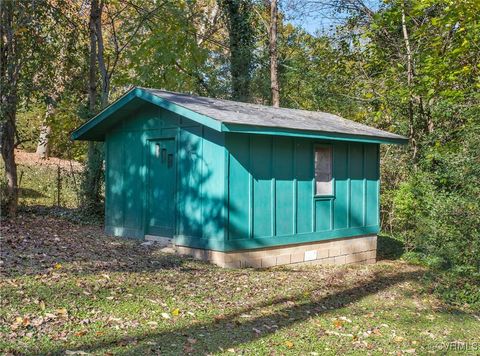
(314, 17)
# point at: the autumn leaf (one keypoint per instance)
(175, 312)
(62, 312)
(57, 266)
(152, 324)
(289, 344)
(81, 332)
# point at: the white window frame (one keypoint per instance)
(331, 193)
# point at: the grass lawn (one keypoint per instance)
(69, 289)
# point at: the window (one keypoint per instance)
(323, 170)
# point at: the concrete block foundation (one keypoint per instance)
(358, 249)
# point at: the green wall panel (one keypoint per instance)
(261, 169)
(133, 192)
(271, 191)
(213, 184)
(323, 214)
(199, 206)
(372, 185)
(190, 181)
(304, 180)
(356, 185)
(239, 187)
(283, 174)
(114, 178)
(342, 183)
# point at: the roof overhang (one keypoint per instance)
(95, 128)
(278, 131)
(87, 131)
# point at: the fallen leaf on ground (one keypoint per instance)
(62, 312)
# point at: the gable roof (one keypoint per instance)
(231, 116)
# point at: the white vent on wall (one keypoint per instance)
(310, 255)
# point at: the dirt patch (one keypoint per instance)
(31, 159)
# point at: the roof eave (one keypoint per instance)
(266, 130)
(81, 133)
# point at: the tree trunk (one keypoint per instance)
(42, 146)
(241, 44)
(92, 178)
(410, 76)
(274, 84)
(9, 72)
(92, 70)
(8, 155)
(101, 59)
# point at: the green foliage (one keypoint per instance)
(91, 198)
(438, 209)
(164, 52)
(458, 287)
(29, 122)
(69, 114)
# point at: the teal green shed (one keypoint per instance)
(239, 184)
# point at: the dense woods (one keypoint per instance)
(407, 66)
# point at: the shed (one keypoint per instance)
(240, 184)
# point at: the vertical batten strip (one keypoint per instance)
(227, 193)
(200, 186)
(334, 185)
(364, 175)
(349, 188)
(312, 172)
(177, 185)
(378, 184)
(274, 189)
(123, 170)
(250, 189)
(295, 186)
(331, 214)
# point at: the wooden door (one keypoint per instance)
(161, 188)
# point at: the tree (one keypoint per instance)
(237, 14)
(10, 66)
(274, 84)
(92, 178)
(23, 33)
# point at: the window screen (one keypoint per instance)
(323, 170)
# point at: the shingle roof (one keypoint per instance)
(231, 116)
(232, 112)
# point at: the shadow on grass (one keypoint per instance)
(34, 243)
(30, 193)
(389, 248)
(234, 329)
(74, 215)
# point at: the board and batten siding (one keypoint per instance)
(271, 196)
(238, 191)
(200, 176)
